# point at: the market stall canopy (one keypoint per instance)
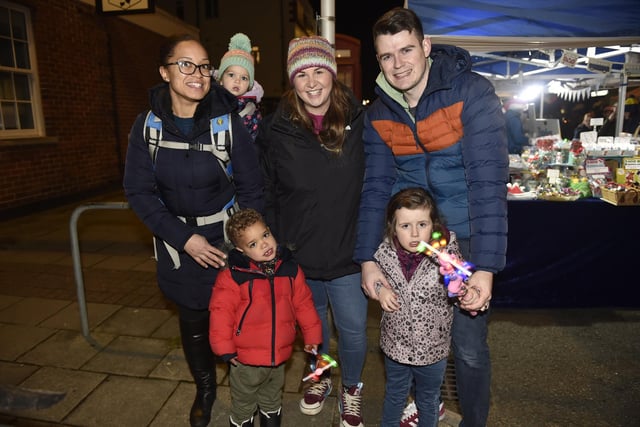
(585, 44)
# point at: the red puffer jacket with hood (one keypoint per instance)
(254, 315)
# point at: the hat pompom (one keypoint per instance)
(240, 41)
(239, 53)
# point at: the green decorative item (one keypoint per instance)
(581, 185)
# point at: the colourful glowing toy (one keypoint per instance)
(453, 278)
(322, 363)
(440, 242)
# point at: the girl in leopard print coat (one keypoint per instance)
(415, 331)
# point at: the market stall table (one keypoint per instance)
(570, 254)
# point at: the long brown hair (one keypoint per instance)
(333, 133)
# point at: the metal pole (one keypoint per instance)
(622, 97)
(328, 20)
(77, 263)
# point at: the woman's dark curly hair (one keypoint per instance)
(167, 48)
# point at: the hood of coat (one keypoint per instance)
(243, 269)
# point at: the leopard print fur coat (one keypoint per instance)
(419, 333)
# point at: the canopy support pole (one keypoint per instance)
(622, 97)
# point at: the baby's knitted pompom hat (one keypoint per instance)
(239, 54)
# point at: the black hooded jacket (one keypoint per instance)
(312, 195)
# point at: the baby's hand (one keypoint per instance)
(388, 299)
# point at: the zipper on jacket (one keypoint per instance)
(273, 320)
(246, 310)
(427, 157)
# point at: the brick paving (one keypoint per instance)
(550, 367)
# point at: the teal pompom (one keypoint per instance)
(240, 41)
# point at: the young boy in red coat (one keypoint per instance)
(255, 307)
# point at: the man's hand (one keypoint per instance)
(203, 253)
(371, 275)
(480, 286)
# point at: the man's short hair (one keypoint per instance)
(396, 20)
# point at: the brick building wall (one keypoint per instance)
(94, 72)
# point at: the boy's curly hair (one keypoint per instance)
(239, 221)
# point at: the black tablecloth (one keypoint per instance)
(570, 254)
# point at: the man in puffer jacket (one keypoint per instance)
(440, 126)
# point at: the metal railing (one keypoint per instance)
(77, 262)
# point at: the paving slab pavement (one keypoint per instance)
(551, 367)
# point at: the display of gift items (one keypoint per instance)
(561, 170)
(621, 195)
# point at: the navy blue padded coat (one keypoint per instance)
(188, 183)
(455, 147)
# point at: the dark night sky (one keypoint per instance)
(357, 23)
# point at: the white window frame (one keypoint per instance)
(33, 79)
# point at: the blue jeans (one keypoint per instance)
(427, 380)
(472, 361)
(473, 366)
(349, 310)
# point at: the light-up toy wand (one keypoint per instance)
(323, 362)
(423, 246)
(454, 279)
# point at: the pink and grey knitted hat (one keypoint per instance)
(312, 51)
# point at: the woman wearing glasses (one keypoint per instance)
(178, 181)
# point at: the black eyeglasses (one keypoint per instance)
(188, 68)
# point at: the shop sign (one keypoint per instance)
(599, 65)
(569, 58)
(117, 7)
(632, 70)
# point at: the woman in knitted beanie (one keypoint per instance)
(236, 74)
(313, 163)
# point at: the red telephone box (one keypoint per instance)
(348, 59)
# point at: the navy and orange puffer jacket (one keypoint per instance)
(254, 316)
(454, 145)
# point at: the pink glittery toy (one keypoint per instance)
(455, 272)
